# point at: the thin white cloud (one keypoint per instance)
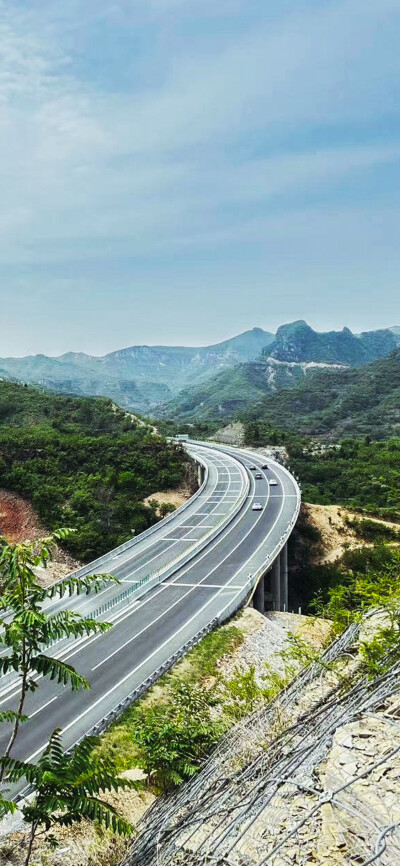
(287, 109)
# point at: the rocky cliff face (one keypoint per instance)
(311, 777)
(298, 342)
(296, 355)
(144, 378)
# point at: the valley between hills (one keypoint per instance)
(291, 715)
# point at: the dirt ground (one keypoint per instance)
(19, 522)
(231, 434)
(170, 497)
(336, 535)
(87, 845)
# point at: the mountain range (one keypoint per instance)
(139, 378)
(296, 353)
(214, 381)
(362, 401)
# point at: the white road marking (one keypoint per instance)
(86, 641)
(131, 673)
(43, 707)
(126, 677)
(202, 585)
(179, 600)
(184, 538)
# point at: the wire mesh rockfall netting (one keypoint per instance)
(313, 777)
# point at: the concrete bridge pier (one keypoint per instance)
(283, 563)
(258, 597)
(271, 591)
(276, 584)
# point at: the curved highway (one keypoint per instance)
(199, 565)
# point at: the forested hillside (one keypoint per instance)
(217, 380)
(139, 377)
(361, 402)
(83, 463)
(310, 400)
(359, 474)
(298, 342)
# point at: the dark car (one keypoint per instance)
(264, 466)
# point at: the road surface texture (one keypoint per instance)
(203, 559)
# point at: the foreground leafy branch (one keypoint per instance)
(67, 788)
(27, 631)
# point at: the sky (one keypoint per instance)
(177, 171)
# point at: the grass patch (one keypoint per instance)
(202, 659)
(371, 530)
(198, 664)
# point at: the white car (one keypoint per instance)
(257, 506)
(273, 482)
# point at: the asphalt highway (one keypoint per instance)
(213, 544)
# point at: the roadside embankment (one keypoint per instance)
(342, 529)
(19, 522)
(231, 666)
(311, 777)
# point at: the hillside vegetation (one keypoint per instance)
(139, 377)
(358, 402)
(317, 401)
(298, 342)
(358, 474)
(83, 463)
(240, 370)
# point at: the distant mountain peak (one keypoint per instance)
(297, 341)
(144, 377)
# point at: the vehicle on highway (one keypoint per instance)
(258, 475)
(264, 466)
(257, 506)
(252, 467)
(273, 482)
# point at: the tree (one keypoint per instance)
(173, 740)
(166, 508)
(66, 788)
(27, 630)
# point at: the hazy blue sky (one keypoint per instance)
(176, 171)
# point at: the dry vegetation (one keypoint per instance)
(337, 535)
(19, 522)
(258, 640)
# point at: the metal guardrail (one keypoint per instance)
(224, 614)
(103, 608)
(140, 690)
(165, 571)
(268, 561)
(91, 566)
(133, 696)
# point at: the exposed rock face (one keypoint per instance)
(371, 801)
(312, 778)
(299, 342)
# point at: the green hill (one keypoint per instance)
(232, 392)
(360, 402)
(298, 342)
(145, 378)
(317, 401)
(83, 463)
(139, 377)
(296, 354)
